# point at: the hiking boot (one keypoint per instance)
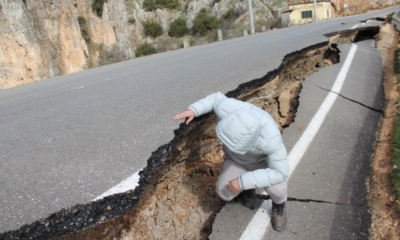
(278, 217)
(248, 198)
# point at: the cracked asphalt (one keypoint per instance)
(69, 139)
(328, 189)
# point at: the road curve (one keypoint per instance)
(68, 139)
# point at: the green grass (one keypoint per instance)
(395, 174)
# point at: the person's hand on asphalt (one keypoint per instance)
(233, 185)
(185, 114)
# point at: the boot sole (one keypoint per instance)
(279, 229)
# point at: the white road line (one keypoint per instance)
(130, 183)
(260, 222)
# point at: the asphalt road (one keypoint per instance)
(68, 139)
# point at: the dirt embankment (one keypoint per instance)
(382, 199)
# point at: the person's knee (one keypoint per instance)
(224, 194)
(223, 197)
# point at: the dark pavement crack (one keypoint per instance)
(351, 100)
(292, 199)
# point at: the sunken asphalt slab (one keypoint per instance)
(336, 166)
(69, 139)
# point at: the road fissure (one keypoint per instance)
(293, 199)
(349, 99)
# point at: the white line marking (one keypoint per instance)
(130, 183)
(355, 26)
(260, 222)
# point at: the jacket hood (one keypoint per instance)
(239, 130)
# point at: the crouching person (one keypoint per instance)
(255, 156)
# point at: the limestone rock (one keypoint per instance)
(20, 53)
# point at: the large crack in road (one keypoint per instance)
(176, 197)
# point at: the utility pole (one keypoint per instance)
(315, 11)
(251, 17)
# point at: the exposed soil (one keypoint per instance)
(381, 198)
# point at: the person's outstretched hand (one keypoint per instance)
(185, 114)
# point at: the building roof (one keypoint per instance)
(287, 11)
(298, 2)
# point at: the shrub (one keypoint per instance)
(230, 17)
(97, 6)
(152, 29)
(178, 28)
(145, 49)
(166, 43)
(131, 20)
(150, 5)
(231, 14)
(84, 30)
(111, 55)
(210, 37)
(81, 21)
(171, 4)
(204, 22)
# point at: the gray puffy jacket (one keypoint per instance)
(249, 135)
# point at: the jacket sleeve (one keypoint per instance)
(206, 104)
(277, 171)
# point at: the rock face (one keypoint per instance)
(41, 39)
(21, 58)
